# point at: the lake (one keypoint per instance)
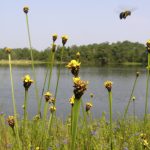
(122, 76)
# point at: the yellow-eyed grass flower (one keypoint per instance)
(26, 9)
(27, 81)
(8, 50)
(74, 66)
(54, 37)
(79, 87)
(71, 100)
(47, 96)
(108, 85)
(52, 109)
(11, 121)
(64, 39)
(88, 106)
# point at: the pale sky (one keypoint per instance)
(84, 21)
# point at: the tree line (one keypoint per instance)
(103, 53)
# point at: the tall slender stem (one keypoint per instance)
(58, 76)
(131, 95)
(14, 102)
(76, 111)
(25, 109)
(147, 90)
(110, 118)
(33, 69)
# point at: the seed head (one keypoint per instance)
(64, 39)
(26, 9)
(108, 85)
(11, 121)
(78, 55)
(27, 81)
(88, 106)
(137, 74)
(148, 46)
(52, 109)
(8, 50)
(133, 98)
(47, 96)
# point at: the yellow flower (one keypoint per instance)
(148, 43)
(73, 64)
(26, 9)
(27, 81)
(8, 50)
(145, 143)
(108, 85)
(148, 67)
(79, 87)
(47, 96)
(71, 100)
(11, 121)
(54, 36)
(64, 39)
(52, 109)
(88, 106)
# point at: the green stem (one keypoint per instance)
(50, 122)
(14, 103)
(25, 109)
(134, 121)
(110, 119)
(51, 69)
(147, 90)
(131, 95)
(76, 111)
(58, 76)
(34, 74)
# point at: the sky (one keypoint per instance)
(84, 21)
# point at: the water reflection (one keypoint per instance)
(122, 77)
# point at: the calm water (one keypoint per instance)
(122, 77)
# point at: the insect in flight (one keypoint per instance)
(124, 14)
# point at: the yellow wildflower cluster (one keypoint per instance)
(8, 50)
(108, 85)
(11, 121)
(64, 39)
(26, 9)
(74, 66)
(27, 81)
(79, 87)
(88, 106)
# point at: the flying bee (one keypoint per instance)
(125, 14)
